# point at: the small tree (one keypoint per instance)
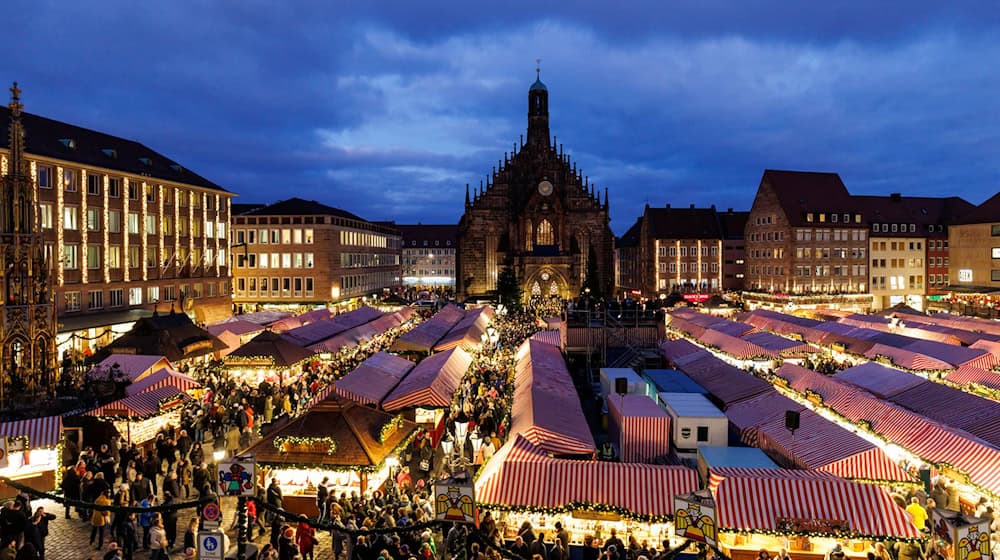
(592, 280)
(509, 288)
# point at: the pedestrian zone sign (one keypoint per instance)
(211, 545)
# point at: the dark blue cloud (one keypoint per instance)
(389, 109)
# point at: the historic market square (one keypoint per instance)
(436, 282)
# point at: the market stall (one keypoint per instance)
(234, 334)
(421, 340)
(806, 513)
(374, 379)
(363, 332)
(138, 418)
(162, 378)
(726, 383)
(32, 450)
(269, 357)
(134, 366)
(587, 497)
(318, 331)
(468, 332)
(171, 335)
(546, 407)
(639, 427)
(432, 383)
(355, 446)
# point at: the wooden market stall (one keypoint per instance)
(166, 377)
(805, 512)
(432, 383)
(171, 335)
(373, 379)
(32, 449)
(354, 445)
(269, 357)
(468, 332)
(421, 340)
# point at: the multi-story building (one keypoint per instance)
(428, 255)
(974, 246)
(733, 249)
(679, 250)
(300, 252)
(805, 237)
(903, 228)
(127, 229)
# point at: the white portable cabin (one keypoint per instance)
(696, 422)
(710, 457)
(636, 384)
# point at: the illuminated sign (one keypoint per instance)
(696, 298)
(996, 252)
(694, 518)
(965, 275)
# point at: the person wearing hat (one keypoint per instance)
(286, 542)
(305, 537)
(190, 552)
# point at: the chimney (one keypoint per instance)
(668, 206)
(692, 207)
(895, 197)
(730, 210)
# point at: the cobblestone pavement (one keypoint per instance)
(69, 538)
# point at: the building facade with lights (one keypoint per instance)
(686, 250)
(974, 242)
(539, 214)
(300, 252)
(428, 254)
(126, 230)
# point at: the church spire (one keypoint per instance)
(467, 204)
(538, 111)
(18, 165)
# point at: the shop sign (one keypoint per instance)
(595, 515)
(454, 500)
(696, 298)
(966, 537)
(196, 346)
(965, 275)
(799, 525)
(694, 518)
(237, 476)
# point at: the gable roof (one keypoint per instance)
(802, 192)
(733, 223)
(919, 210)
(171, 335)
(683, 223)
(987, 212)
(414, 235)
(298, 207)
(44, 137)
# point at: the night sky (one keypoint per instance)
(387, 109)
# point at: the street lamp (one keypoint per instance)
(447, 445)
(461, 428)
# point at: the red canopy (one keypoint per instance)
(546, 407)
(468, 332)
(512, 476)
(427, 334)
(756, 499)
(432, 384)
(162, 378)
(375, 378)
(639, 426)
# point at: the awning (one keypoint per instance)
(781, 345)
(41, 432)
(736, 347)
(425, 335)
(763, 499)
(432, 383)
(375, 378)
(142, 405)
(366, 331)
(162, 378)
(75, 323)
(639, 426)
(546, 408)
(512, 476)
(746, 415)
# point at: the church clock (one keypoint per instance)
(545, 188)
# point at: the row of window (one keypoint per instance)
(706, 251)
(938, 279)
(284, 287)
(836, 270)
(46, 177)
(275, 236)
(437, 243)
(768, 236)
(364, 239)
(937, 261)
(427, 261)
(672, 267)
(362, 283)
(71, 222)
(71, 257)
(830, 252)
(429, 252)
(916, 282)
(937, 244)
(833, 217)
(274, 260)
(902, 228)
(900, 245)
(831, 235)
(116, 296)
(429, 272)
(690, 283)
(366, 260)
(898, 263)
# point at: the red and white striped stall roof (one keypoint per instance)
(639, 426)
(820, 444)
(41, 432)
(738, 347)
(754, 499)
(135, 366)
(371, 381)
(162, 378)
(319, 396)
(971, 374)
(552, 338)
(512, 476)
(992, 357)
(427, 334)
(142, 405)
(432, 384)
(907, 358)
(546, 408)
(925, 438)
(468, 332)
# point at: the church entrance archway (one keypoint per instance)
(546, 283)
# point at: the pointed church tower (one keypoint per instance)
(538, 112)
(27, 314)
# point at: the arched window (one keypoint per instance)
(545, 236)
(527, 236)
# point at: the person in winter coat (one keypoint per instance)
(233, 441)
(169, 521)
(146, 520)
(99, 520)
(38, 529)
(70, 486)
(305, 537)
(158, 540)
(171, 485)
(127, 536)
(191, 534)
